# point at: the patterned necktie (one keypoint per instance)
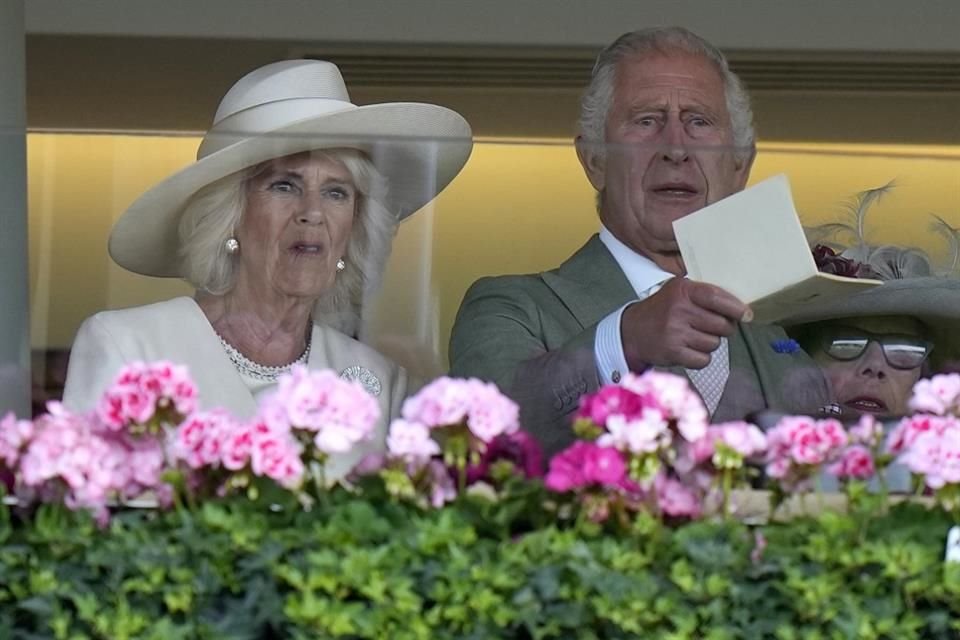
(711, 380)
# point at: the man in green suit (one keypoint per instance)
(665, 129)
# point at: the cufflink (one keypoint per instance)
(615, 376)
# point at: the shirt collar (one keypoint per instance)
(641, 271)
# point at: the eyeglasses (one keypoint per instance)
(900, 351)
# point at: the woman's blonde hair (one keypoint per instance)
(213, 214)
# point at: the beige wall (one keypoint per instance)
(517, 207)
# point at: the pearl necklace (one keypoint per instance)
(246, 366)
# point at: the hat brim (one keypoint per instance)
(935, 301)
(418, 147)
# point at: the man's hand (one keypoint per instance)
(680, 325)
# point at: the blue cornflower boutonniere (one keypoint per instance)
(786, 345)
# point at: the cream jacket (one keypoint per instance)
(177, 330)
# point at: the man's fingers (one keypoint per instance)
(703, 342)
(719, 301)
(692, 358)
(712, 324)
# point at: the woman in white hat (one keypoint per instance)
(282, 225)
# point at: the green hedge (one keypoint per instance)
(372, 567)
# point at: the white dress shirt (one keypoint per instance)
(646, 278)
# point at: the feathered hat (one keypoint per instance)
(912, 286)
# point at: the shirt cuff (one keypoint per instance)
(608, 348)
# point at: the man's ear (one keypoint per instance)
(742, 166)
(593, 160)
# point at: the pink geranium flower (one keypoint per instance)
(643, 414)
(742, 437)
(648, 431)
(566, 468)
(725, 446)
(798, 445)
(935, 455)
(199, 440)
(143, 391)
(855, 463)
(237, 446)
(71, 455)
(585, 464)
(478, 405)
(491, 413)
(411, 442)
(14, 435)
(147, 461)
(675, 398)
(604, 466)
(938, 395)
(275, 455)
(868, 431)
(443, 402)
(608, 401)
(340, 413)
(910, 428)
(675, 499)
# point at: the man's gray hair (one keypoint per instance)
(598, 96)
(212, 215)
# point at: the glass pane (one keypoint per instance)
(518, 206)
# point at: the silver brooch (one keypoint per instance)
(364, 376)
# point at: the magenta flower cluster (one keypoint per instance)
(646, 444)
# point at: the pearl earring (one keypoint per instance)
(341, 265)
(232, 245)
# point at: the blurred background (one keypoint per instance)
(847, 97)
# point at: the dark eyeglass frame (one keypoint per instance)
(831, 335)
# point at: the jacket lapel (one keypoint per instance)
(218, 382)
(590, 283)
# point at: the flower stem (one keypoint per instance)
(727, 489)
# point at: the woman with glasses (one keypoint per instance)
(875, 345)
(871, 362)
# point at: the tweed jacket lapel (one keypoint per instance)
(590, 283)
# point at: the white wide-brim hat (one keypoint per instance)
(933, 300)
(285, 108)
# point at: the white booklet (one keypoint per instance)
(752, 245)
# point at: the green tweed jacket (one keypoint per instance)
(533, 335)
